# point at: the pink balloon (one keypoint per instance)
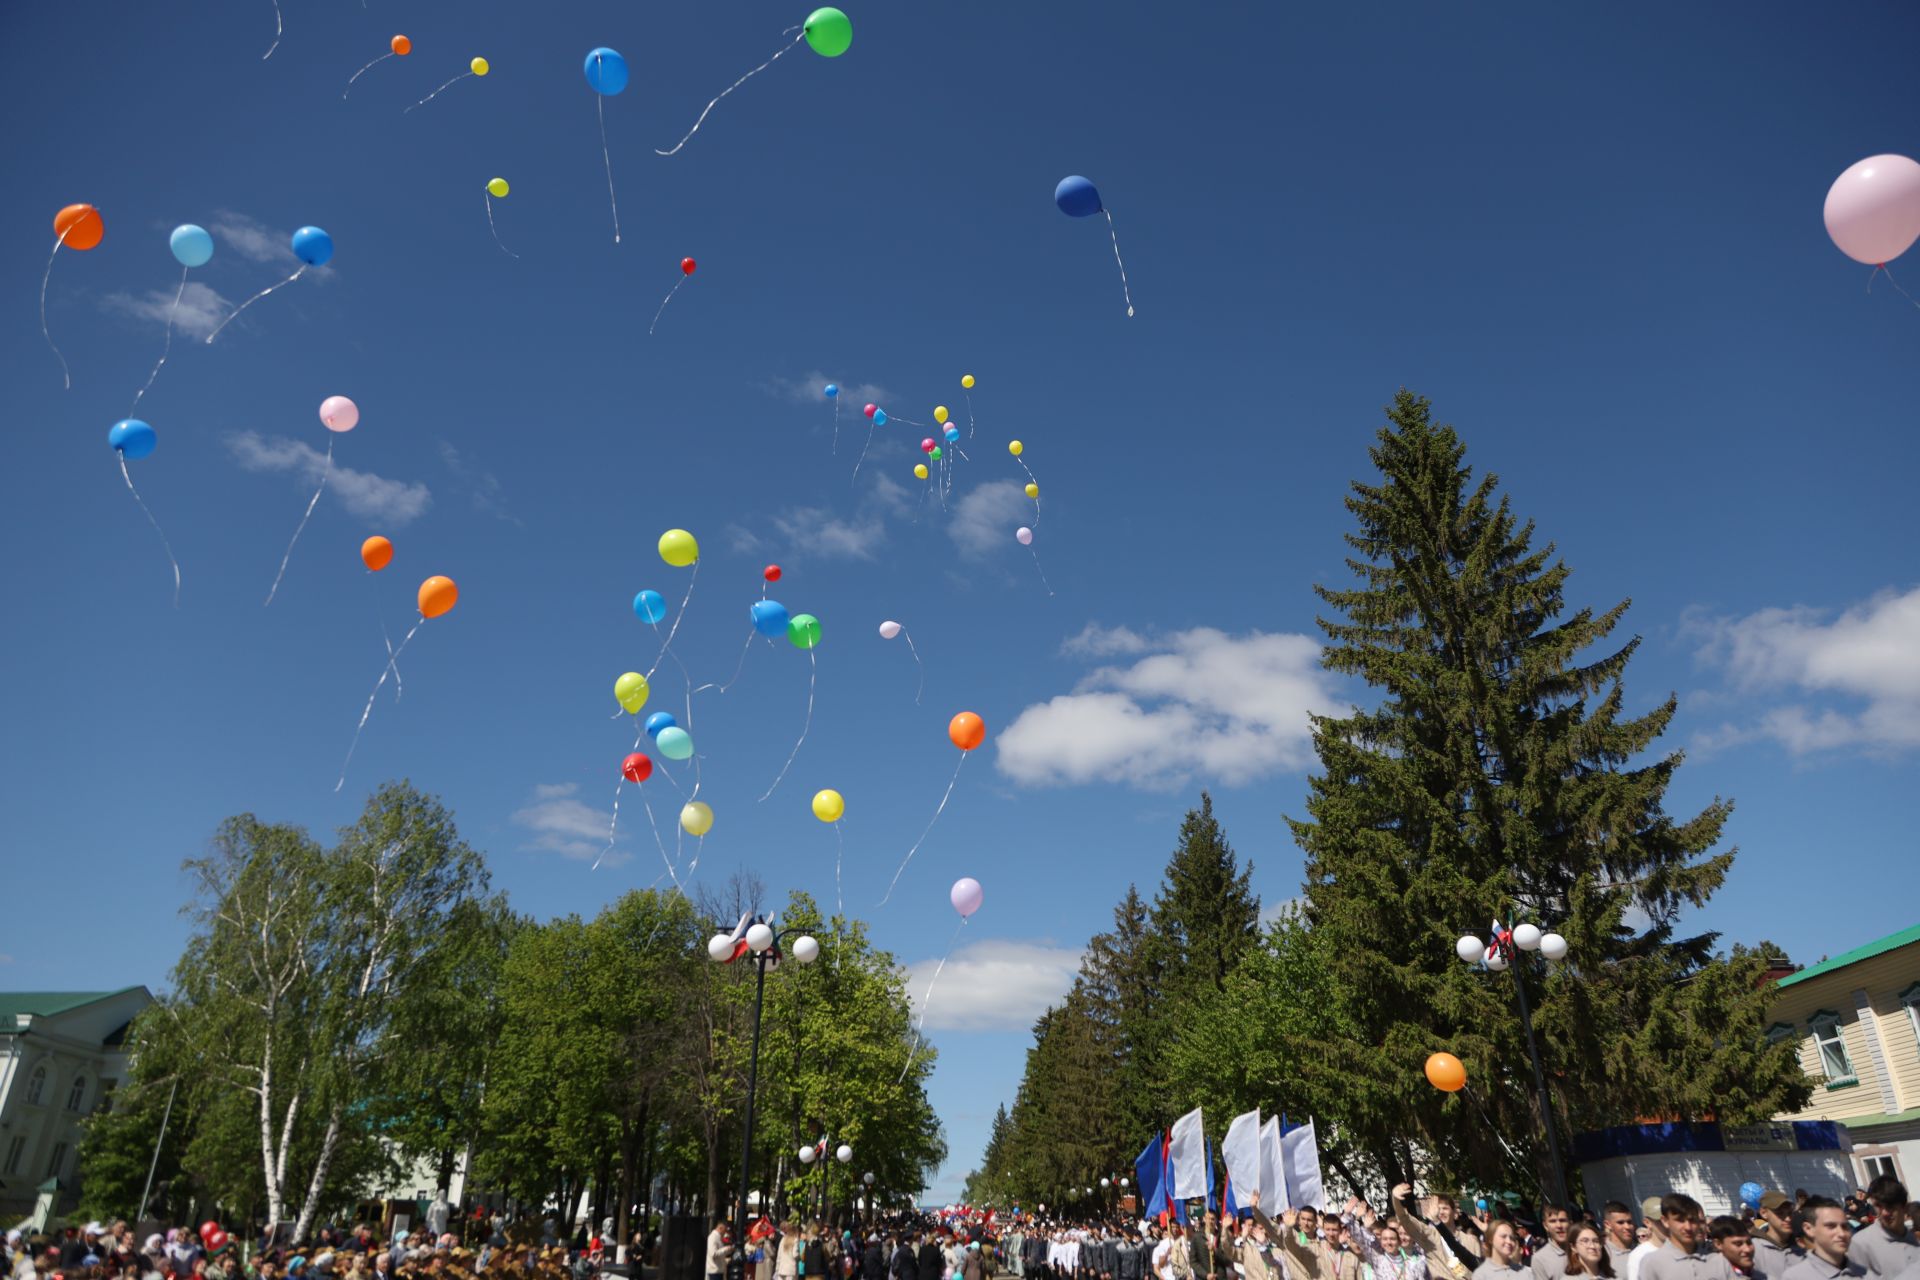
(339, 413)
(889, 629)
(965, 895)
(926, 446)
(1873, 209)
(1024, 536)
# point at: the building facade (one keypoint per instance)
(1857, 1020)
(62, 1053)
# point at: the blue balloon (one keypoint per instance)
(133, 438)
(606, 71)
(660, 720)
(674, 743)
(833, 389)
(1750, 1193)
(650, 606)
(953, 433)
(1481, 1204)
(191, 245)
(1077, 197)
(312, 246)
(769, 618)
(879, 417)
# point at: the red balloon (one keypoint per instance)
(771, 573)
(636, 767)
(686, 266)
(870, 410)
(207, 1228)
(216, 1242)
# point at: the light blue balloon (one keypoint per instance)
(606, 71)
(312, 246)
(191, 245)
(953, 434)
(833, 389)
(674, 742)
(660, 720)
(1750, 1193)
(1077, 197)
(650, 606)
(769, 618)
(879, 417)
(133, 438)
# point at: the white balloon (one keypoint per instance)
(844, 1155)
(719, 947)
(759, 938)
(1553, 946)
(808, 1155)
(1527, 937)
(1024, 536)
(1470, 949)
(806, 949)
(889, 629)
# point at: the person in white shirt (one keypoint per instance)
(1656, 1236)
(1163, 1258)
(1828, 1237)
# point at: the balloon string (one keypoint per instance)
(488, 197)
(600, 105)
(156, 528)
(1128, 293)
(970, 426)
(729, 89)
(914, 1050)
(661, 844)
(1895, 283)
(66, 375)
(362, 71)
(863, 453)
(1037, 569)
(836, 424)
(916, 662)
(664, 301)
(614, 822)
(667, 644)
(167, 349)
(437, 92)
(923, 835)
(736, 671)
(368, 710)
(255, 298)
(302, 527)
(839, 855)
(398, 687)
(278, 28)
(1035, 482)
(813, 673)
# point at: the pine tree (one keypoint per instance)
(1118, 983)
(1500, 777)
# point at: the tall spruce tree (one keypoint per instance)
(1501, 777)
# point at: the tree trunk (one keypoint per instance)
(715, 1211)
(446, 1174)
(318, 1183)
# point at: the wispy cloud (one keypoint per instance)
(1850, 680)
(562, 823)
(1096, 641)
(483, 486)
(1284, 909)
(200, 311)
(993, 985)
(1197, 704)
(828, 534)
(364, 494)
(252, 240)
(985, 517)
(854, 396)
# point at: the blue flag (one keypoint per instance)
(1149, 1175)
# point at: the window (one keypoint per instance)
(37, 1085)
(59, 1158)
(77, 1094)
(1911, 999)
(1780, 1031)
(1879, 1166)
(15, 1150)
(1834, 1062)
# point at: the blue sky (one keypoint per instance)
(1591, 235)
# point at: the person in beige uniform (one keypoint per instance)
(1331, 1257)
(1425, 1234)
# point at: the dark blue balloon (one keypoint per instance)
(133, 438)
(650, 606)
(769, 618)
(833, 389)
(660, 720)
(606, 71)
(312, 246)
(1077, 197)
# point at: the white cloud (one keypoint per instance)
(821, 532)
(1291, 908)
(1199, 704)
(985, 517)
(1869, 653)
(854, 396)
(200, 311)
(1096, 641)
(255, 241)
(483, 485)
(993, 985)
(562, 823)
(364, 494)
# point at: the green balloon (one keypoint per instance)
(935, 455)
(803, 631)
(829, 32)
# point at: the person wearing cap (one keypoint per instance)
(1885, 1246)
(1775, 1245)
(1655, 1240)
(1828, 1236)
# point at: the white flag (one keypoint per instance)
(1302, 1153)
(1273, 1178)
(1188, 1152)
(1240, 1152)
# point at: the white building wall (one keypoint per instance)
(1714, 1177)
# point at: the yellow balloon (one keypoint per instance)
(479, 66)
(940, 413)
(630, 691)
(678, 548)
(497, 188)
(1033, 490)
(828, 805)
(1015, 448)
(697, 818)
(966, 380)
(920, 470)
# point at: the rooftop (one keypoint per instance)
(1892, 941)
(16, 1005)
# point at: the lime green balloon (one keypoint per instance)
(935, 454)
(829, 31)
(678, 548)
(630, 691)
(497, 188)
(803, 631)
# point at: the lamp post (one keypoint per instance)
(756, 938)
(1496, 954)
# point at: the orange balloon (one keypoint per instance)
(79, 226)
(437, 595)
(1446, 1073)
(402, 46)
(377, 552)
(967, 730)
